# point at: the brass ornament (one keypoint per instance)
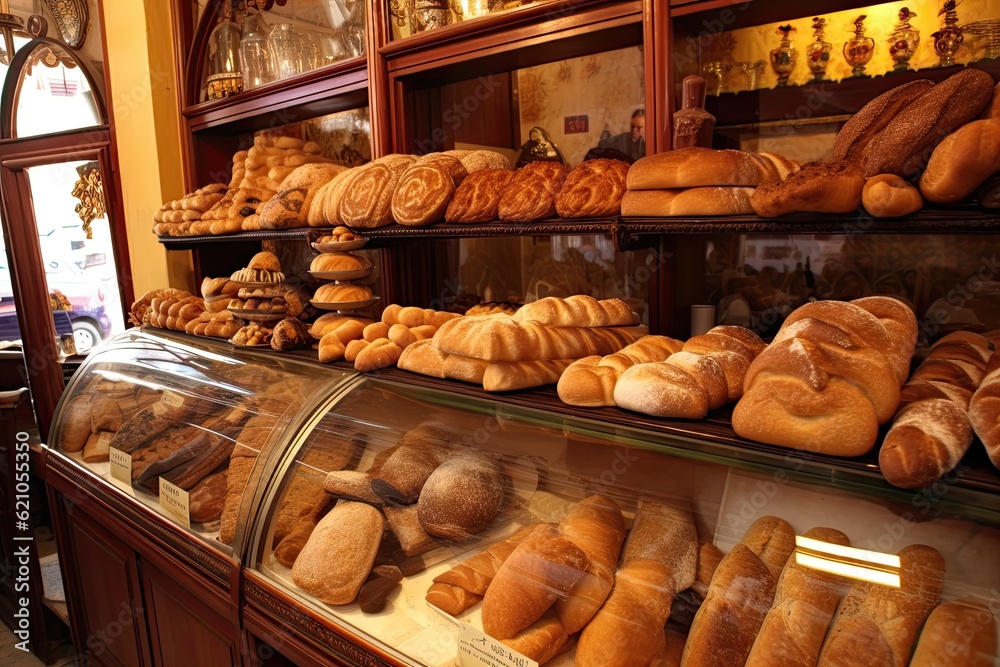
(71, 18)
(91, 195)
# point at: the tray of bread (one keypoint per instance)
(341, 239)
(340, 266)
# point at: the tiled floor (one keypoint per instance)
(10, 656)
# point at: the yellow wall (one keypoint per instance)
(143, 96)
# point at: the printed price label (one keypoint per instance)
(121, 467)
(176, 502)
(172, 399)
(477, 649)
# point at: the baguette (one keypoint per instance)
(876, 625)
(510, 376)
(740, 596)
(543, 568)
(700, 167)
(804, 604)
(959, 633)
(596, 526)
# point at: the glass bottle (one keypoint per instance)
(783, 58)
(693, 126)
(286, 47)
(818, 53)
(858, 50)
(948, 40)
(255, 51)
(904, 40)
(225, 76)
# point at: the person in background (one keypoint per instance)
(632, 143)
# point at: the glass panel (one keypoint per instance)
(53, 95)
(700, 500)
(80, 272)
(186, 413)
(410, 17)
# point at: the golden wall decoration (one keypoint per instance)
(90, 192)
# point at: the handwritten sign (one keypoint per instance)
(176, 502)
(121, 467)
(477, 649)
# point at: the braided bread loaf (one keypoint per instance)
(703, 376)
(830, 377)
(932, 431)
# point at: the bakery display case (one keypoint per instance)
(399, 524)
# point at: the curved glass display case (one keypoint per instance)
(477, 508)
(163, 415)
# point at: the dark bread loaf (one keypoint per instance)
(858, 132)
(818, 187)
(906, 143)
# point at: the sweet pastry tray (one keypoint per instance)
(345, 305)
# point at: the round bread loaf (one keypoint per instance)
(213, 287)
(265, 260)
(334, 293)
(338, 261)
(890, 196)
(462, 496)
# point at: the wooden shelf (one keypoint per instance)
(626, 231)
(308, 95)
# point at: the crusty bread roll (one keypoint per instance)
(463, 495)
(962, 162)
(818, 187)
(542, 640)
(478, 197)
(347, 328)
(590, 382)
(878, 623)
(340, 552)
(338, 261)
(408, 468)
(889, 196)
(701, 201)
(741, 593)
(992, 109)
(367, 196)
(593, 189)
(577, 311)
(514, 375)
(858, 132)
(543, 568)
(700, 167)
(958, 633)
(904, 145)
(804, 604)
(985, 408)
(531, 192)
(596, 526)
(334, 293)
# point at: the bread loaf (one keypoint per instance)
(577, 311)
(424, 190)
(514, 375)
(325, 210)
(818, 187)
(863, 126)
(543, 568)
(664, 534)
(962, 162)
(904, 146)
(367, 197)
(339, 554)
(596, 526)
(477, 199)
(804, 604)
(878, 623)
(407, 469)
(590, 382)
(691, 202)
(593, 189)
(700, 167)
(334, 293)
(958, 633)
(338, 261)
(740, 596)
(463, 495)
(405, 524)
(889, 196)
(531, 192)
(291, 205)
(542, 640)
(984, 408)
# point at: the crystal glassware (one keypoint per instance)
(904, 40)
(255, 51)
(286, 51)
(858, 50)
(818, 53)
(949, 38)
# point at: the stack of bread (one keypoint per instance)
(181, 311)
(530, 348)
(261, 293)
(932, 431)
(830, 377)
(339, 271)
(175, 218)
(700, 182)
(705, 374)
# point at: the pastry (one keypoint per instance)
(531, 192)
(289, 334)
(478, 197)
(593, 189)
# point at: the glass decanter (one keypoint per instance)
(255, 51)
(949, 38)
(818, 53)
(904, 40)
(858, 51)
(225, 76)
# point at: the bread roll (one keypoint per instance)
(334, 293)
(463, 496)
(959, 633)
(863, 126)
(590, 382)
(692, 202)
(740, 596)
(804, 604)
(380, 353)
(818, 187)
(577, 311)
(542, 640)
(543, 568)
(878, 623)
(596, 526)
(700, 167)
(338, 261)
(904, 146)
(984, 410)
(593, 189)
(531, 193)
(339, 554)
(889, 196)
(962, 162)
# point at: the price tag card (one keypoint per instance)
(477, 649)
(168, 399)
(176, 502)
(121, 467)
